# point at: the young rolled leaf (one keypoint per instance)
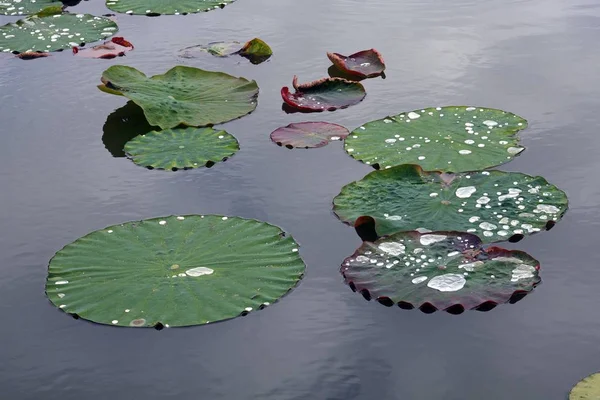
(493, 205)
(439, 271)
(455, 139)
(308, 134)
(54, 32)
(174, 271)
(25, 7)
(162, 7)
(183, 95)
(256, 50)
(364, 64)
(586, 389)
(323, 94)
(186, 148)
(116, 47)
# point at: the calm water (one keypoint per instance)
(537, 58)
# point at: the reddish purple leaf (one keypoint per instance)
(364, 64)
(32, 55)
(324, 94)
(308, 134)
(116, 47)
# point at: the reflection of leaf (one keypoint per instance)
(184, 95)
(162, 7)
(439, 271)
(493, 205)
(452, 138)
(122, 125)
(174, 271)
(364, 64)
(308, 134)
(323, 94)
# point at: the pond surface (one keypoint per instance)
(537, 58)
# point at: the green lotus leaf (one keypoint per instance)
(174, 271)
(54, 32)
(183, 95)
(586, 389)
(493, 205)
(26, 7)
(456, 139)
(174, 149)
(162, 7)
(255, 50)
(439, 271)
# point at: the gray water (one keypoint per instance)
(537, 58)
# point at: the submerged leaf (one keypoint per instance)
(174, 271)
(162, 7)
(174, 149)
(183, 95)
(308, 134)
(116, 47)
(54, 32)
(451, 138)
(364, 64)
(255, 50)
(439, 271)
(323, 94)
(494, 205)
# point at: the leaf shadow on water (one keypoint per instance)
(122, 125)
(334, 72)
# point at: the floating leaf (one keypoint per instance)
(439, 271)
(162, 7)
(493, 205)
(324, 94)
(183, 95)
(308, 134)
(116, 47)
(54, 32)
(32, 55)
(174, 271)
(25, 7)
(174, 149)
(587, 389)
(255, 50)
(452, 138)
(364, 64)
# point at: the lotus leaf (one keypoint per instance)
(493, 205)
(25, 7)
(174, 149)
(439, 271)
(170, 7)
(174, 271)
(323, 94)
(183, 95)
(116, 47)
(587, 389)
(308, 134)
(364, 64)
(451, 138)
(255, 50)
(54, 32)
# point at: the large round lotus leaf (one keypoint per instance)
(183, 95)
(453, 139)
(25, 7)
(439, 271)
(324, 94)
(54, 32)
(587, 389)
(181, 148)
(174, 271)
(493, 205)
(169, 7)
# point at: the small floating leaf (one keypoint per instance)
(439, 271)
(364, 64)
(255, 50)
(452, 138)
(183, 95)
(116, 47)
(25, 7)
(32, 55)
(185, 148)
(174, 271)
(587, 389)
(54, 32)
(324, 94)
(170, 7)
(308, 134)
(493, 205)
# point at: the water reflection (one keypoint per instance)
(122, 125)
